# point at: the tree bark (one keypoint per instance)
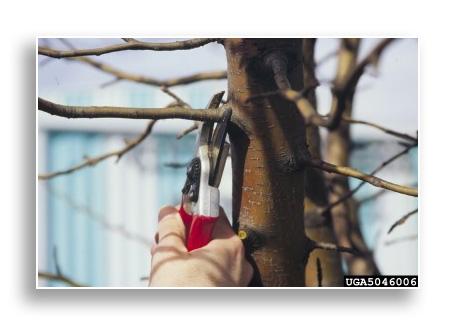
(328, 270)
(268, 191)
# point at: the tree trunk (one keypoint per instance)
(268, 190)
(323, 267)
(344, 215)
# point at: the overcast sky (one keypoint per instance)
(387, 95)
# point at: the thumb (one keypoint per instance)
(171, 229)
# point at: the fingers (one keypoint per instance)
(171, 230)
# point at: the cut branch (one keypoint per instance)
(61, 278)
(67, 111)
(351, 172)
(95, 160)
(402, 220)
(122, 75)
(131, 44)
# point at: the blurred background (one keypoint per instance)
(97, 224)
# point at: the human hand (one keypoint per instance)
(221, 263)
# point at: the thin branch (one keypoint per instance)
(278, 64)
(122, 75)
(398, 240)
(334, 247)
(402, 220)
(171, 94)
(326, 57)
(67, 111)
(357, 188)
(403, 136)
(358, 71)
(56, 261)
(130, 45)
(125, 39)
(376, 195)
(352, 172)
(188, 130)
(95, 160)
(61, 278)
(99, 218)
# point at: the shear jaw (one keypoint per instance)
(209, 196)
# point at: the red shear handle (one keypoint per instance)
(198, 229)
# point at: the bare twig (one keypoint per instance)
(188, 130)
(351, 172)
(58, 276)
(278, 64)
(334, 247)
(179, 100)
(403, 136)
(125, 39)
(358, 187)
(101, 219)
(122, 75)
(131, 44)
(402, 220)
(402, 239)
(358, 71)
(95, 160)
(61, 278)
(56, 261)
(128, 112)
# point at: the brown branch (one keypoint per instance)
(188, 130)
(334, 247)
(129, 45)
(125, 39)
(122, 75)
(402, 220)
(278, 64)
(67, 111)
(398, 240)
(351, 172)
(358, 71)
(357, 188)
(61, 278)
(174, 96)
(403, 136)
(95, 160)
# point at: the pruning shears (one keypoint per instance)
(200, 195)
